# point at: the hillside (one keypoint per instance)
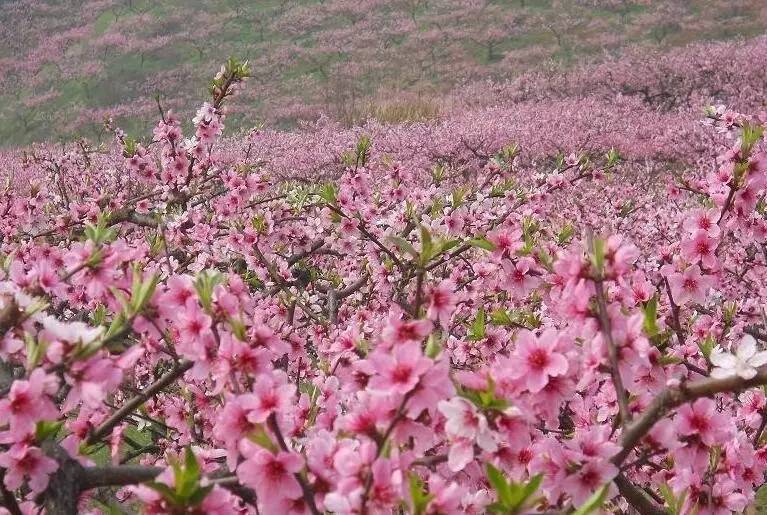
(66, 65)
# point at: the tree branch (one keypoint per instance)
(673, 397)
(122, 475)
(612, 351)
(9, 316)
(133, 403)
(637, 498)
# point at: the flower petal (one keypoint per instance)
(723, 359)
(759, 359)
(747, 347)
(721, 373)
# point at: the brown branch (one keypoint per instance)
(133, 403)
(637, 498)
(362, 228)
(130, 215)
(612, 352)
(295, 258)
(9, 316)
(122, 475)
(272, 270)
(354, 287)
(675, 396)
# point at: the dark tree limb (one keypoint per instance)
(133, 403)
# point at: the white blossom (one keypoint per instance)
(742, 363)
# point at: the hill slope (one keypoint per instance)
(65, 65)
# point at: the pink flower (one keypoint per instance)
(27, 403)
(505, 243)
(272, 476)
(592, 443)
(23, 460)
(519, 278)
(702, 420)
(725, 499)
(588, 478)
(179, 291)
(91, 380)
(447, 496)
(70, 332)
(442, 302)
(703, 219)
(269, 396)
(689, 285)
(193, 323)
(398, 331)
(619, 256)
(641, 288)
(386, 486)
(536, 359)
(701, 248)
(398, 372)
(232, 423)
(466, 427)
(454, 223)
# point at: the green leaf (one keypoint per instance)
(565, 234)
(167, 493)
(750, 135)
(187, 477)
(482, 243)
(594, 502)
(545, 259)
(418, 494)
(427, 247)
(438, 173)
(760, 502)
(199, 495)
(675, 504)
(477, 329)
(142, 290)
(598, 256)
(433, 346)
(613, 157)
(403, 245)
(238, 328)
(130, 147)
(260, 437)
(500, 485)
(501, 317)
(47, 429)
(457, 198)
(446, 245)
(328, 193)
(650, 324)
(204, 284)
(362, 152)
(706, 346)
(191, 465)
(666, 359)
(35, 351)
(529, 488)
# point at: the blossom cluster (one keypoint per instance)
(182, 331)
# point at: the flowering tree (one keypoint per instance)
(184, 331)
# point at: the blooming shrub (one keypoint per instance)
(185, 332)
